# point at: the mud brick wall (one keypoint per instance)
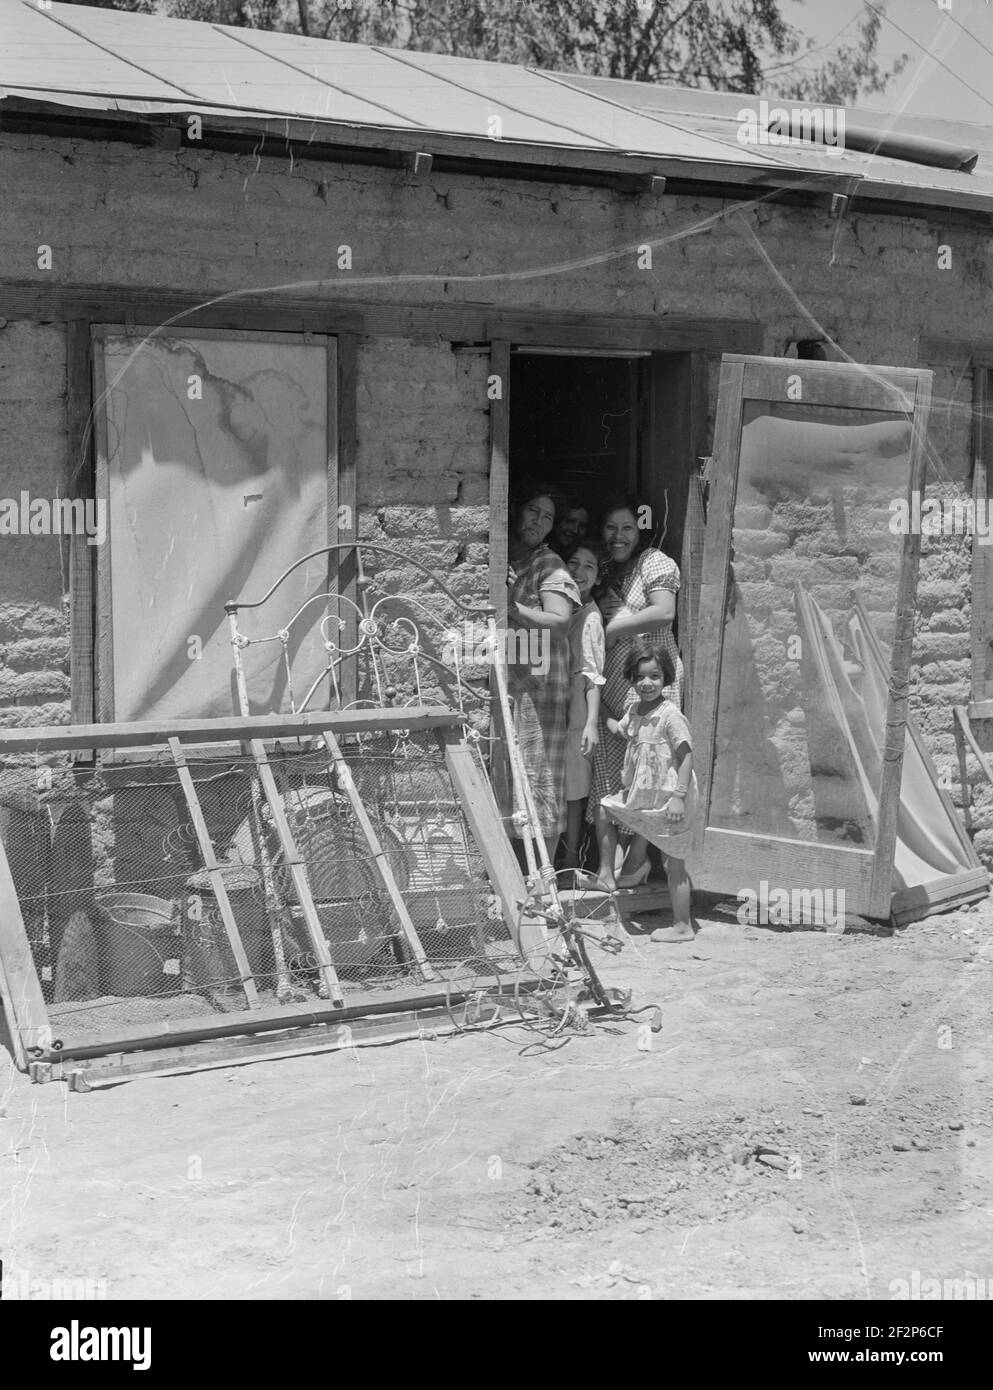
(153, 218)
(34, 642)
(423, 489)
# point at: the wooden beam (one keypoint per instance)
(499, 478)
(408, 1025)
(79, 476)
(239, 1052)
(483, 815)
(346, 571)
(327, 311)
(283, 1019)
(955, 351)
(858, 386)
(735, 859)
(499, 539)
(677, 423)
(24, 1004)
(418, 162)
(232, 728)
(104, 639)
(981, 627)
(898, 676)
(709, 633)
(294, 861)
(213, 868)
(951, 890)
(963, 775)
(963, 718)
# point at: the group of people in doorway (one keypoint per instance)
(598, 718)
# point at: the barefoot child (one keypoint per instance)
(586, 650)
(658, 800)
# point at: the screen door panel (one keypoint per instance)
(793, 740)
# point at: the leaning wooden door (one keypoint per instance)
(815, 469)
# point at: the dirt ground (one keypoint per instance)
(815, 1119)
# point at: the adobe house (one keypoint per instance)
(460, 273)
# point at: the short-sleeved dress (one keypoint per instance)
(650, 777)
(538, 679)
(586, 657)
(627, 592)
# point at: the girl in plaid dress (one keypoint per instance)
(543, 597)
(637, 597)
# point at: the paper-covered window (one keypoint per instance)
(216, 463)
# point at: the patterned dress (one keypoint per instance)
(650, 778)
(627, 591)
(538, 680)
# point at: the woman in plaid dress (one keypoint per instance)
(542, 599)
(637, 597)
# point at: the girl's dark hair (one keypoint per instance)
(528, 490)
(627, 502)
(587, 543)
(643, 652)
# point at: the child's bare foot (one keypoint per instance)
(679, 931)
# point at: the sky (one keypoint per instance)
(950, 46)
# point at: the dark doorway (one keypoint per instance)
(574, 422)
(598, 424)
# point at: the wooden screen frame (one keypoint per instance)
(975, 356)
(339, 491)
(725, 860)
(981, 624)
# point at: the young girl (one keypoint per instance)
(658, 800)
(586, 656)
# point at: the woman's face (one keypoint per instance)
(534, 521)
(620, 535)
(583, 568)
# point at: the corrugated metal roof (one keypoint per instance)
(715, 114)
(78, 58)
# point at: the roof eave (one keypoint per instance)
(330, 140)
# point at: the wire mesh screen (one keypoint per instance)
(131, 922)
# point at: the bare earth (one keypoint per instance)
(815, 1119)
